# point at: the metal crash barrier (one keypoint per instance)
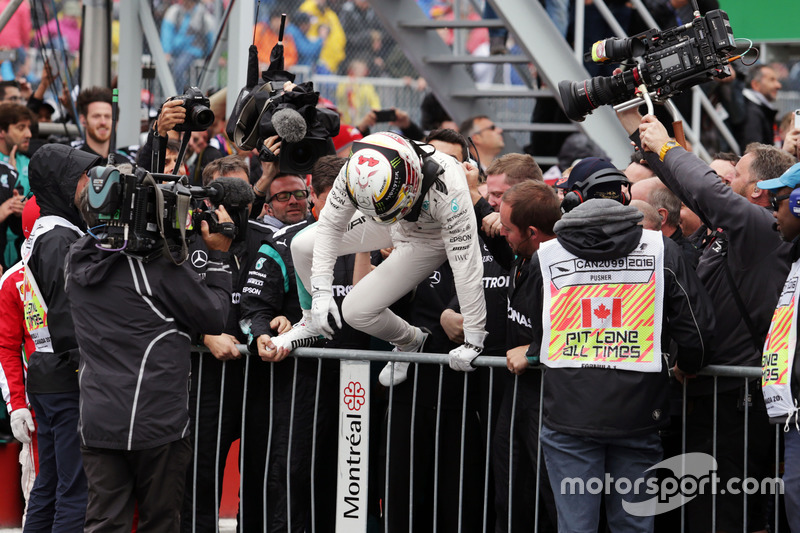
(448, 484)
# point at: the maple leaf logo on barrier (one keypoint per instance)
(354, 396)
(602, 312)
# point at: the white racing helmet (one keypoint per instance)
(384, 176)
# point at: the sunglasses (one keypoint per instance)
(775, 201)
(490, 128)
(284, 196)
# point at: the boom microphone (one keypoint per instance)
(289, 125)
(233, 193)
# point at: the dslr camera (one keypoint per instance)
(142, 212)
(672, 61)
(199, 116)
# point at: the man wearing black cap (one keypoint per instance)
(58, 498)
(779, 365)
(609, 293)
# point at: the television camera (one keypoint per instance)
(265, 108)
(144, 213)
(672, 61)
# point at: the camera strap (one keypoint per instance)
(182, 211)
(755, 338)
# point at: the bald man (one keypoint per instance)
(655, 193)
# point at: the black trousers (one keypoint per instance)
(288, 482)
(200, 500)
(524, 458)
(119, 480)
(730, 457)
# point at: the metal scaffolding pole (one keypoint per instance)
(96, 44)
(129, 73)
(240, 36)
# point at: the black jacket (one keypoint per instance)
(8, 182)
(54, 173)
(240, 256)
(749, 248)
(618, 403)
(134, 321)
(759, 122)
(270, 288)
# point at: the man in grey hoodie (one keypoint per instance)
(609, 293)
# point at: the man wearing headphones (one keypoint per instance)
(609, 293)
(779, 366)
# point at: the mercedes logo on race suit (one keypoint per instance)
(199, 259)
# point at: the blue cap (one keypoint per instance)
(790, 178)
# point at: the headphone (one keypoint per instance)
(580, 190)
(794, 202)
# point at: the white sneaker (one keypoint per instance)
(386, 378)
(301, 335)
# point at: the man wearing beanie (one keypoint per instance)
(610, 293)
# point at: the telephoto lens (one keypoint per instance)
(579, 98)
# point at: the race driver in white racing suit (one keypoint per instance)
(379, 200)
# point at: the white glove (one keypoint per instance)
(322, 304)
(461, 358)
(22, 425)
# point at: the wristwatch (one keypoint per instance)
(669, 145)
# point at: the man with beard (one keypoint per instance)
(94, 114)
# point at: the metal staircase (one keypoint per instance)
(448, 75)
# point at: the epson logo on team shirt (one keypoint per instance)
(461, 238)
(251, 290)
(518, 317)
(497, 282)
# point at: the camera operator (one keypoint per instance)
(134, 320)
(163, 130)
(742, 268)
(172, 113)
(223, 367)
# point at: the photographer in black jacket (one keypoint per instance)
(135, 316)
(217, 380)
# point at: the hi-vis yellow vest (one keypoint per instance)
(603, 313)
(779, 349)
(34, 306)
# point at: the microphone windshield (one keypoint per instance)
(289, 124)
(236, 192)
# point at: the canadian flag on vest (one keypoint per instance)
(601, 312)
